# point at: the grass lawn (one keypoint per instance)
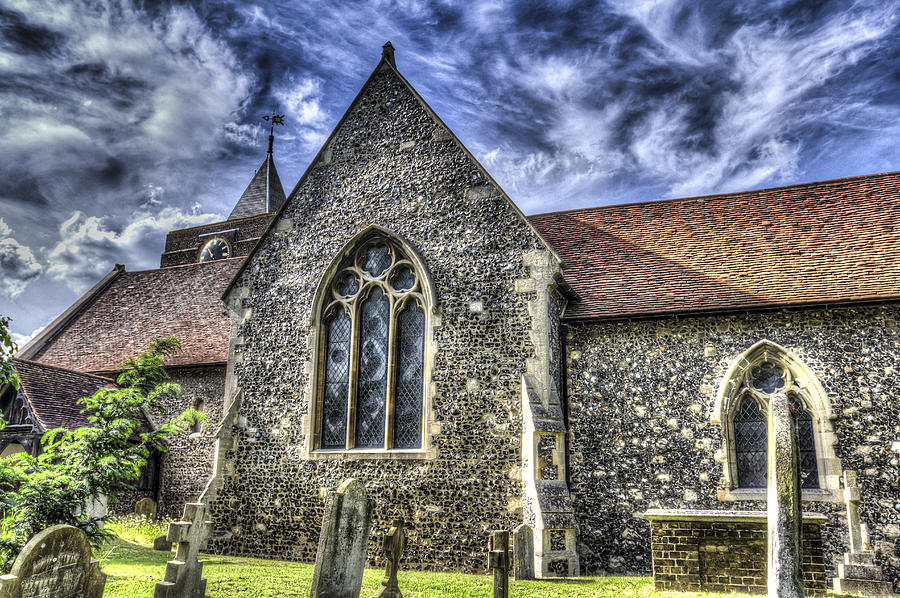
(133, 569)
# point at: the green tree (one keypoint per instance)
(8, 348)
(103, 459)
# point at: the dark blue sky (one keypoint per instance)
(122, 120)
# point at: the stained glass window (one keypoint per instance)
(806, 440)
(373, 366)
(337, 370)
(410, 368)
(373, 359)
(750, 444)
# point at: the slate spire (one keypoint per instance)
(264, 193)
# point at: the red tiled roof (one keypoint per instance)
(136, 307)
(826, 242)
(52, 393)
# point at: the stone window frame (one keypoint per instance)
(318, 339)
(804, 383)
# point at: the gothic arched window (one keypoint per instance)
(749, 425)
(372, 359)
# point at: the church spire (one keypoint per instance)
(264, 194)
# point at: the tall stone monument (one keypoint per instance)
(184, 574)
(858, 574)
(498, 561)
(785, 577)
(394, 544)
(341, 556)
(55, 563)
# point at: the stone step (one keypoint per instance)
(864, 572)
(859, 558)
(864, 587)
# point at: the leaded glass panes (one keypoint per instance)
(403, 279)
(750, 445)
(376, 259)
(373, 366)
(337, 370)
(768, 377)
(373, 359)
(410, 369)
(806, 440)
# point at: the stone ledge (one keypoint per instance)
(374, 455)
(721, 515)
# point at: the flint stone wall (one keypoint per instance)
(640, 397)
(390, 165)
(187, 466)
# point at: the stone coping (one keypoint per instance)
(721, 515)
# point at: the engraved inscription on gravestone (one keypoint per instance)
(56, 563)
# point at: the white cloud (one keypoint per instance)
(88, 248)
(301, 100)
(18, 264)
(22, 339)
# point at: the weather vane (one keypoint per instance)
(276, 119)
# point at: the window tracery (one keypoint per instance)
(750, 426)
(372, 356)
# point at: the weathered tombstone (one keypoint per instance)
(146, 508)
(183, 578)
(498, 561)
(784, 559)
(394, 544)
(858, 574)
(341, 556)
(56, 563)
(523, 552)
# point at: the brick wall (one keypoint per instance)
(725, 555)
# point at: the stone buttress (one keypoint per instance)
(548, 506)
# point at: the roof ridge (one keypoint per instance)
(233, 220)
(690, 198)
(62, 369)
(192, 264)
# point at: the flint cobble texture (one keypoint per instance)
(390, 164)
(640, 397)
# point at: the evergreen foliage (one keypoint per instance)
(103, 459)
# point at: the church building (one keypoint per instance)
(397, 319)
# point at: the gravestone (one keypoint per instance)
(146, 508)
(523, 552)
(162, 544)
(183, 578)
(784, 560)
(394, 544)
(858, 574)
(498, 561)
(56, 563)
(341, 556)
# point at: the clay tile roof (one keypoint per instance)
(815, 243)
(52, 393)
(136, 307)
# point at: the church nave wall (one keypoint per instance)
(642, 395)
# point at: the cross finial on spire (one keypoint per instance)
(387, 53)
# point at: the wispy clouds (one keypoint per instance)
(115, 111)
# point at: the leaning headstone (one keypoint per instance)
(146, 508)
(56, 563)
(784, 559)
(498, 561)
(184, 574)
(858, 574)
(523, 552)
(343, 541)
(394, 544)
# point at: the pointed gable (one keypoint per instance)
(264, 194)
